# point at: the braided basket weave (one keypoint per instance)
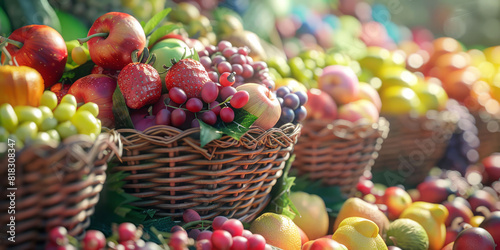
(170, 172)
(488, 132)
(338, 153)
(414, 145)
(56, 186)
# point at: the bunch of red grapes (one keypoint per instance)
(217, 101)
(292, 105)
(224, 58)
(224, 234)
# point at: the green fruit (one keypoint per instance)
(91, 107)
(229, 24)
(49, 99)
(46, 112)
(42, 138)
(166, 50)
(28, 114)
(54, 135)
(26, 131)
(280, 65)
(407, 234)
(64, 112)
(184, 13)
(85, 122)
(48, 124)
(4, 134)
(70, 45)
(68, 98)
(8, 117)
(66, 129)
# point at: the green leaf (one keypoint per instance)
(195, 55)
(160, 32)
(120, 111)
(71, 76)
(208, 133)
(241, 124)
(155, 20)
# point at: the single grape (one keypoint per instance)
(300, 114)
(226, 79)
(224, 67)
(239, 243)
(226, 92)
(215, 107)
(218, 221)
(193, 233)
(226, 114)
(249, 60)
(223, 45)
(195, 123)
(209, 92)
(163, 117)
(211, 49)
(238, 59)
(233, 226)
(291, 101)
(177, 95)
(127, 231)
(246, 233)
(302, 97)
(178, 240)
(194, 104)
(58, 235)
(93, 240)
(240, 99)
(247, 71)
(228, 52)
(222, 239)
(256, 242)
(204, 245)
(243, 50)
(209, 117)
(176, 228)
(217, 59)
(177, 117)
(202, 53)
(214, 77)
(48, 99)
(270, 84)
(190, 215)
(237, 69)
(204, 235)
(206, 62)
(239, 79)
(282, 91)
(287, 115)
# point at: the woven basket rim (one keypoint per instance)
(346, 129)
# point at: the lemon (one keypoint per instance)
(278, 230)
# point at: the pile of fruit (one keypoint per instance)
(198, 67)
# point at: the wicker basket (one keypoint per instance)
(338, 153)
(56, 186)
(488, 132)
(414, 145)
(170, 172)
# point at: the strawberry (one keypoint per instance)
(140, 84)
(187, 74)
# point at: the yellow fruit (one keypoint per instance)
(399, 100)
(313, 218)
(68, 98)
(359, 233)
(431, 217)
(8, 117)
(278, 230)
(475, 221)
(293, 84)
(432, 96)
(356, 207)
(49, 99)
(375, 59)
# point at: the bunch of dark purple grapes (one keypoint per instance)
(292, 105)
(226, 58)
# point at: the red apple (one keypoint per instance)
(112, 39)
(323, 244)
(340, 82)
(146, 122)
(99, 89)
(448, 246)
(492, 167)
(474, 238)
(263, 104)
(367, 92)
(320, 105)
(357, 110)
(40, 47)
(458, 209)
(482, 198)
(492, 225)
(396, 199)
(109, 72)
(435, 190)
(138, 114)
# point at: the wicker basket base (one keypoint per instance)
(488, 132)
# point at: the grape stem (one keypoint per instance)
(197, 222)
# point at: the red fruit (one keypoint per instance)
(40, 47)
(482, 198)
(93, 240)
(161, 103)
(226, 79)
(189, 75)
(58, 235)
(233, 226)
(60, 90)
(435, 190)
(239, 243)
(177, 228)
(365, 186)
(194, 105)
(240, 99)
(456, 209)
(257, 242)
(218, 221)
(178, 240)
(98, 89)
(492, 225)
(492, 167)
(109, 72)
(121, 34)
(204, 244)
(227, 114)
(140, 84)
(146, 122)
(474, 238)
(209, 92)
(222, 239)
(397, 200)
(127, 231)
(204, 235)
(190, 215)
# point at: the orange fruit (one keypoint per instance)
(278, 230)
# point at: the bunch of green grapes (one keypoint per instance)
(50, 122)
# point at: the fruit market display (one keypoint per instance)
(247, 125)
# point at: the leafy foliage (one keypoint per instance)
(236, 129)
(120, 111)
(76, 73)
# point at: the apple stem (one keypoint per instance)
(86, 39)
(13, 42)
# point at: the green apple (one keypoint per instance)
(165, 51)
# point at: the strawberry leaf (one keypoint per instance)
(160, 32)
(155, 20)
(208, 133)
(120, 111)
(241, 124)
